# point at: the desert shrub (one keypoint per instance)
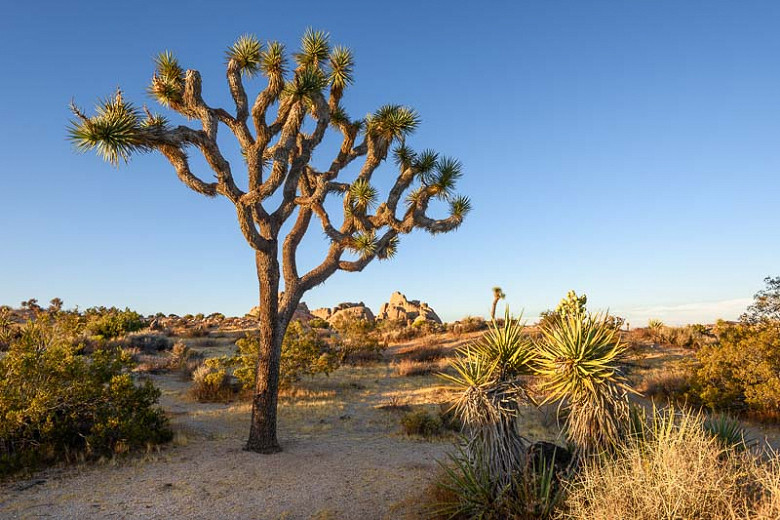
(56, 403)
(576, 356)
(148, 343)
(674, 384)
(490, 396)
(766, 304)
(304, 353)
(179, 358)
(676, 470)
(112, 322)
(319, 323)
(468, 324)
(409, 367)
(211, 382)
(359, 342)
(571, 304)
(180, 355)
(421, 422)
(655, 326)
(742, 370)
(430, 351)
(8, 329)
(151, 364)
(728, 431)
(396, 332)
(198, 331)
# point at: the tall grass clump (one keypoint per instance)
(675, 469)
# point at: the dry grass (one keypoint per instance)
(672, 383)
(682, 473)
(409, 367)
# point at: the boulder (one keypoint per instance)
(401, 309)
(350, 312)
(322, 313)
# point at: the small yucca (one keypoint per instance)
(578, 359)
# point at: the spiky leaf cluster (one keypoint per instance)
(389, 250)
(305, 84)
(426, 162)
(315, 48)
(363, 243)
(339, 118)
(497, 358)
(113, 132)
(445, 177)
(362, 196)
(154, 121)
(246, 53)
(168, 80)
(341, 67)
(392, 122)
(460, 206)
(273, 62)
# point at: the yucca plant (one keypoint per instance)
(470, 481)
(578, 359)
(728, 431)
(491, 396)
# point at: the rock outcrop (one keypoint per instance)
(301, 313)
(401, 309)
(344, 311)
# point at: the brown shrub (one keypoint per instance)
(426, 353)
(407, 368)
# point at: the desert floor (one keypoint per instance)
(344, 457)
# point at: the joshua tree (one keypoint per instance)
(276, 152)
(498, 294)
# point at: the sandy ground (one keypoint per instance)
(344, 458)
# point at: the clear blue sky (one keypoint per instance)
(627, 150)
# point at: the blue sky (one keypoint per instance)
(627, 150)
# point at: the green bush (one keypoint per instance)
(318, 323)
(359, 341)
(420, 422)
(56, 403)
(304, 353)
(467, 325)
(741, 370)
(112, 323)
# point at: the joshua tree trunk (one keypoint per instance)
(498, 294)
(262, 432)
